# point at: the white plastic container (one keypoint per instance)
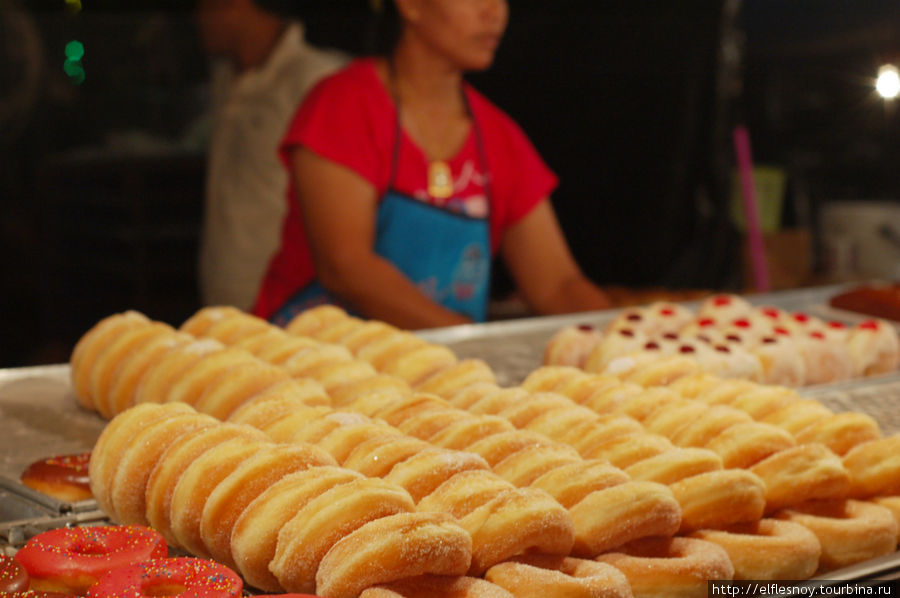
(861, 239)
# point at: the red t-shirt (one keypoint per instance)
(350, 118)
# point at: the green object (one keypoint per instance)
(770, 183)
(75, 71)
(74, 50)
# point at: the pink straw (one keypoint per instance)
(751, 209)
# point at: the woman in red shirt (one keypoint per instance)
(405, 181)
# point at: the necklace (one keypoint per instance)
(440, 179)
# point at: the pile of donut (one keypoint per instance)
(111, 561)
(731, 338)
(543, 492)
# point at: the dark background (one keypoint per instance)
(631, 103)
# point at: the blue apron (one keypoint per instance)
(445, 253)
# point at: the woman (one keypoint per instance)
(407, 182)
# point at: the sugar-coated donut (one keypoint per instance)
(342, 441)
(128, 485)
(251, 477)
(718, 498)
(874, 467)
(572, 345)
(540, 576)
(13, 576)
(670, 567)
(308, 322)
(623, 450)
(181, 577)
(377, 456)
(391, 549)
(892, 504)
(805, 472)
(255, 533)
(498, 447)
(424, 471)
(437, 586)
(464, 492)
(675, 465)
(64, 477)
(305, 539)
(768, 549)
(70, 560)
(157, 380)
(570, 484)
(850, 531)
(744, 445)
(181, 453)
(450, 381)
(467, 432)
(611, 517)
(524, 466)
(517, 521)
(231, 388)
(841, 431)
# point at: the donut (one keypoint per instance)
(539, 576)
(64, 477)
(623, 451)
(127, 502)
(768, 549)
(423, 472)
(253, 476)
(708, 425)
(437, 586)
(488, 400)
(323, 521)
(342, 441)
(874, 348)
(850, 531)
(334, 375)
(524, 466)
(158, 379)
(181, 453)
(269, 407)
(516, 521)
(874, 467)
(191, 382)
(13, 576)
(286, 347)
(611, 517)
(419, 364)
(670, 566)
(384, 350)
(181, 577)
(255, 533)
(429, 423)
(760, 402)
(321, 424)
(557, 422)
(614, 344)
(570, 484)
(805, 472)
(464, 492)
(366, 333)
(571, 346)
(70, 560)
(591, 434)
(797, 415)
(892, 504)
(308, 322)
(394, 548)
(204, 318)
(675, 465)
(91, 344)
(112, 442)
(841, 431)
(377, 456)
(377, 385)
(744, 445)
(719, 498)
(467, 432)
(660, 372)
(231, 388)
(195, 484)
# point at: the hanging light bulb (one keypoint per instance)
(888, 83)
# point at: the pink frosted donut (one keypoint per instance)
(181, 577)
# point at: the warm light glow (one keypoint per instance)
(888, 83)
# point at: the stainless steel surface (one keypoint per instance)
(39, 417)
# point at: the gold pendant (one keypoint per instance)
(440, 180)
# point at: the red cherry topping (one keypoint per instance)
(772, 312)
(742, 323)
(817, 335)
(869, 325)
(703, 322)
(801, 317)
(769, 340)
(626, 332)
(634, 317)
(686, 349)
(836, 325)
(667, 311)
(585, 327)
(722, 300)
(780, 330)
(704, 338)
(670, 336)
(651, 346)
(722, 349)
(733, 338)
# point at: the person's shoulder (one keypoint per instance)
(358, 75)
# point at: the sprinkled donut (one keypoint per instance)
(13, 576)
(70, 560)
(173, 577)
(64, 477)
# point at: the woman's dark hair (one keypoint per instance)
(384, 31)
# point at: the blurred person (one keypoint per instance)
(406, 181)
(264, 69)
